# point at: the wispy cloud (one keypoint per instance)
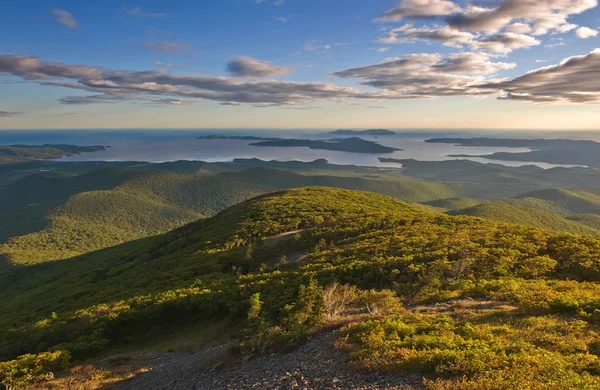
(6, 114)
(122, 86)
(574, 80)
(65, 18)
(421, 76)
(167, 47)
(140, 13)
(314, 46)
(250, 67)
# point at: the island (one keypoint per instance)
(352, 145)
(12, 154)
(379, 132)
(550, 151)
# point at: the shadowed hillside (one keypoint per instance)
(268, 265)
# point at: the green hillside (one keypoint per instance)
(99, 209)
(453, 203)
(525, 216)
(591, 220)
(559, 201)
(538, 289)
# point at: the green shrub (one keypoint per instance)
(28, 369)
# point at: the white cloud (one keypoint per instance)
(574, 80)
(419, 9)
(140, 13)
(586, 32)
(160, 63)
(250, 67)
(506, 42)
(544, 16)
(314, 46)
(111, 86)
(65, 18)
(419, 76)
(500, 43)
(282, 19)
(446, 35)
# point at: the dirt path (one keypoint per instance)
(314, 365)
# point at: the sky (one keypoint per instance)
(415, 64)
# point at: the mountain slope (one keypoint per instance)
(230, 267)
(560, 201)
(503, 212)
(65, 222)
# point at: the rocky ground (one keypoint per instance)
(314, 365)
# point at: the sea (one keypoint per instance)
(162, 145)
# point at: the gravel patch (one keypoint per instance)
(314, 365)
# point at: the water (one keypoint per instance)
(155, 145)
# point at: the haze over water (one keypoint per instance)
(156, 145)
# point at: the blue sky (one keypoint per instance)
(300, 64)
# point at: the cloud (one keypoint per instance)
(274, 2)
(543, 16)
(586, 32)
(250, 67)
(506, 42)
(314, 46)
(446, 35)
(418, 76)
(282, 19)
(7, 114)
(500, 43)
(419, 9)
(65, 18)
(160, 63)
(110, 86)
(574, 80)
(140, 13)
(165, 47)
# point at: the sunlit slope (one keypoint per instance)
(504, 212)
(351, 236)
(64, 222)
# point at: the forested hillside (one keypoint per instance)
(269, 266)
(71, 209)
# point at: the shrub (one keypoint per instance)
(30, 368)
(538, 266)
(379, 302)
(336, 298)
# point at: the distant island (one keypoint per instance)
(11, 154)
(351, 145)
(391, 160)
(363, 132)
(551, 151)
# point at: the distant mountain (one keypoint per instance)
(363, 132)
